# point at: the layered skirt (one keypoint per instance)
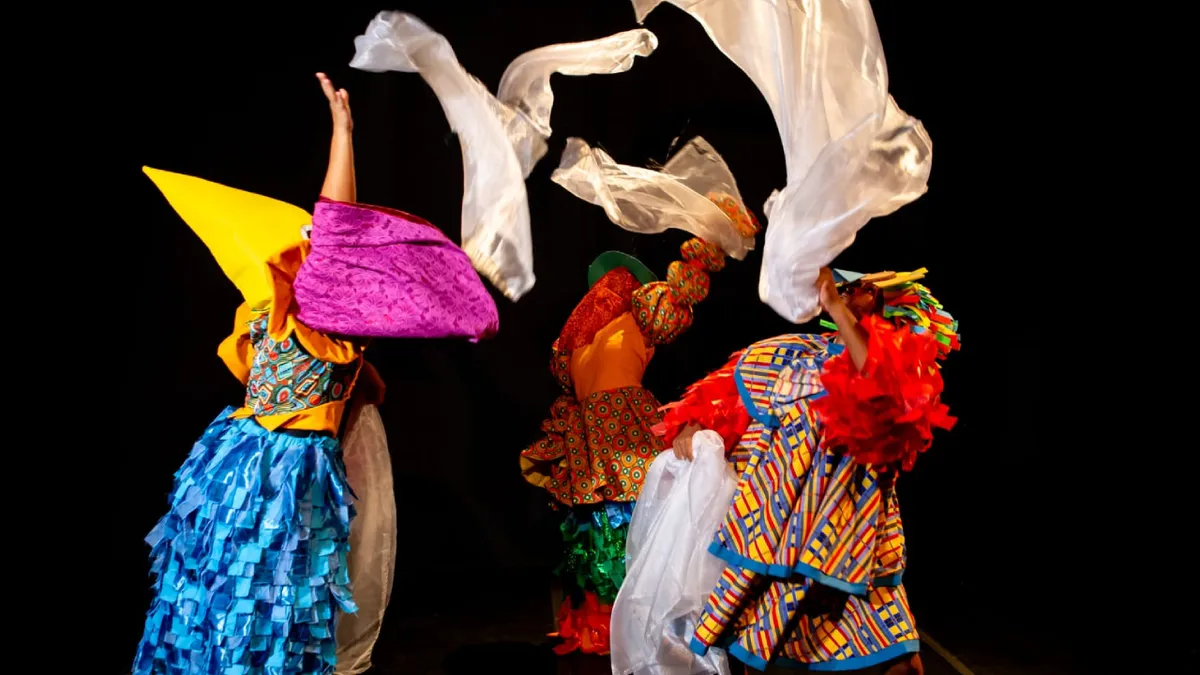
(250, 561)
(814, 551)
(593, 459)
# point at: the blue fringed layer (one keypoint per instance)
(251, 559)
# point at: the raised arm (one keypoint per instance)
(339, 177)
(853, 335)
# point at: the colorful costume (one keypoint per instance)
(598, 445)
(251, 559)
(813, 540)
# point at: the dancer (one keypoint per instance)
(251, 558)
(598, 443)
(820, 427)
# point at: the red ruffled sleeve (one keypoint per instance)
(886, 412)
(712, 403)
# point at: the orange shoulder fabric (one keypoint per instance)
(236, 350)
(282, 269)
(617, 357)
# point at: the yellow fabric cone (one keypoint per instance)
(240, 228)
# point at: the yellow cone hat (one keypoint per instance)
(241, 229)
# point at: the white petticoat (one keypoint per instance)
(669, 571)
(372, 559)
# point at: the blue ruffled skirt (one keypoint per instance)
(251, 559)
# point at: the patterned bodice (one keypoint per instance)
(285, 378)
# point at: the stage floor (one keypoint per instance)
(499, 624)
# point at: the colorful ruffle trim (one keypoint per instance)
(908, 303)
(594, 542)
(251, 558)
(712, 403)
(913, 305)
(885, 413)
(585, 627)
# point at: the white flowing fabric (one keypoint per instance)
(851, 153)
(372, 559)
(501, 138)
(669, 571)
(648, 202)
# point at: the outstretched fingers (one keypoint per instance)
(327, 88)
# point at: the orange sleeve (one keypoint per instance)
(282, 321)
(663, 309)
(236, 350)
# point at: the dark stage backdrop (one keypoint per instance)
(229, 95)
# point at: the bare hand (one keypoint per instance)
(339, 104)
(682, 446)
(827, 288)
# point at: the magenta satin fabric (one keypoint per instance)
(375, 272)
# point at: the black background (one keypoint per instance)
(229, 95)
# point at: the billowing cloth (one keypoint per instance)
(695, 192)
(372, 558)
(670, 571)
(501, 138)
(851, 153)
(524, 98)
(250, 561)
(376, 272)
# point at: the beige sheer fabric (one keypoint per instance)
(648, 201)
(503, 136)
(372, 559)
(852, 154)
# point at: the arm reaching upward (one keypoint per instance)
(853, 334)
(339, 177)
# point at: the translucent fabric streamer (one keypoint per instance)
(669, 571)
(648, 202)
(501, 138)
(372, 559)
(851, 153)
(525, 95)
